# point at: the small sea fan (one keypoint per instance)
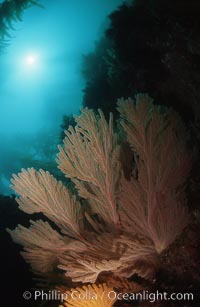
(90, 296)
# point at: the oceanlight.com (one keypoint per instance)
(76, 295)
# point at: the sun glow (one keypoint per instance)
(29, 65)
(30, 60)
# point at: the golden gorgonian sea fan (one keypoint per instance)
(116, 225)
(90, 296)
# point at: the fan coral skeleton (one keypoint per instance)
(116, 225)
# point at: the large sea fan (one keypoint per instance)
(117, 224)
